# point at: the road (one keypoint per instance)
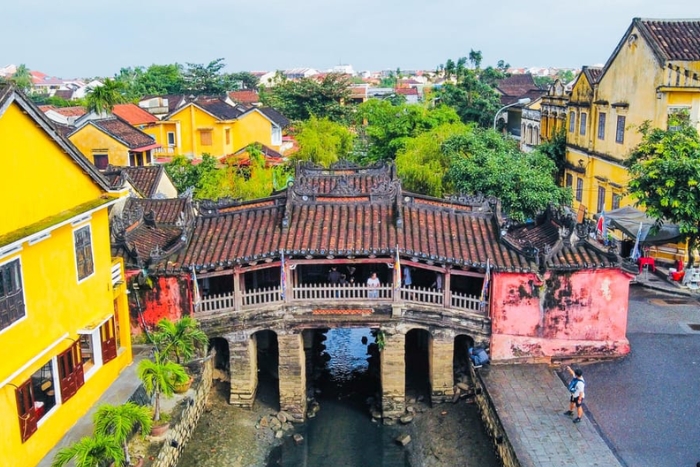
(646, 405)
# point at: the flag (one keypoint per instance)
(196, 297)
(397, 271)
(600, 226)
(636, 254)
(283, 278)
(485, 288)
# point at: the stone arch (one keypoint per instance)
(417, 352)
(266, 359)
(460, 359)
(222, 357)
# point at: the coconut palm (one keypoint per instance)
(180, 338)
(91, 451)
(119, 421)
(102, 99)
(160, 377)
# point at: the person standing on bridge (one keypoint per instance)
(576, 387)
(373, 283)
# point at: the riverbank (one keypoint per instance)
(442, 436)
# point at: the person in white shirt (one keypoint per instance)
(373, 283)
(577, 395)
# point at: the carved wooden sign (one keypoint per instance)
(343, 311)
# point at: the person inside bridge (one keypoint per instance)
(576, 387)
(334, 276)
(373, 283)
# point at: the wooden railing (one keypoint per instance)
(116, 272)
(333, 293)
(264, 296)
(217, 302)
(466, 302)
(316, 292)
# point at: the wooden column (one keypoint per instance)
(441, 367)
(393, 375)
(292, 373)
(237, 299)
(244, 369)
(446, 292)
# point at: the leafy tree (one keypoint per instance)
(22, 78)
(555, 150)
(119, 421)
(200, 79)
(160, 378)
(204, 178)
(298, 100)
(154, 80)
(385, 127)
(181, 338)
(482, 161)
(543, 82)
(102, 99)
(473, 96)
(422, 164)
(245, 79)
(323, 141)
(665, 176)
(566, 76)
(91, 451)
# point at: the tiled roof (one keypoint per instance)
(133, 114)
(131, 137)
(275, 116)
(246, 96)
(144, 179)
(219, 108)
(407, 91)
(74, 111)
(673, 39)
(149, 229)
(272, 157)
(66, 94)
(63, 130)
(516, 85)
(593, 73)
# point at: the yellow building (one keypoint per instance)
(163, 132)
(553, 110)
(653, 72)
(215, 127)
(112, 141)
(63, 309)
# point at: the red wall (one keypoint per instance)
(576, 314)
(169, 298)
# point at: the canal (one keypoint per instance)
(343, 379)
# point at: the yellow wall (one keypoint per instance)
(91, 140)
(253, 128)
(38, 182)
(30, 159)
(250, 128)
(159, 131)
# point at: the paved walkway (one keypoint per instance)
(530, 400)
(118, 393)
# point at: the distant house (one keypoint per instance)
(160, 106)
(245, 97)
(111, 140)
(411, 94)
(164, 132)
(530, 125)
(513, 89)
(63, 115)
(143, 182)
(242, 156)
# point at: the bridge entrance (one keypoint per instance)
(267, 359)
(418, 344)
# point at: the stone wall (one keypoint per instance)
(441, 367)
(393, 376)
(492, 423)
(184, 422)
(243, 369)
(292, 373)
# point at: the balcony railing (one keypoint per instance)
(116, 272)
(339, 294)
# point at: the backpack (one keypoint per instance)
(572, 385)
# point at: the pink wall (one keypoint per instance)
(576, 314)
(169, 298)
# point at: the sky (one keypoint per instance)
(88, 38)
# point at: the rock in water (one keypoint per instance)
(404, 439)
(298, 439)
(279, 434)
(406, 419)
(463, 386)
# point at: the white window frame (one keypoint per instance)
(75, 253)
(24, 291)
(96, 349)
(168, 137)
(56, 393)
(276, 136)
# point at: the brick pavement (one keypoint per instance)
(530, 401)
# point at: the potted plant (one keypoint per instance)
(159, 377)
(181, 339)
(91, 451)
(119, 422)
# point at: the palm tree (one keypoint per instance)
(102, 99)
(160, 376)
(91, 451)
(181, 338)
(22, 78)
(119, 421)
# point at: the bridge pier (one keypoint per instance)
(441, 367)
(393, 375)
(244, 370)
(292, 373)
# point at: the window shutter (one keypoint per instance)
(70, 372)
(109, 343)
(28, 417)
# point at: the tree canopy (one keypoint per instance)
(22, 78)
(300, 99)
(323, 141)
(482, 161)
(101, 99)
(665, 175)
